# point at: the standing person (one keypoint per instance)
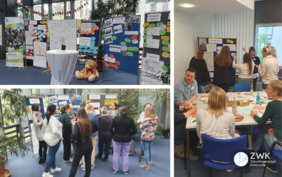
(273, 52)
(222, 66)
(114, 112)
(105, 136)
(65, 120)
(40, 131)
(199, 64)
(122, 128)
(82, 133)
(53, 137)
(139, 121)
(148, 127)
(269, 67)
(245, 69)
(72, 116)
(270, 133)
(256, 60)
(93, 117)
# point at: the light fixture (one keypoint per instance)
(187, 5)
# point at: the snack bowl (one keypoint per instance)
(239, 118)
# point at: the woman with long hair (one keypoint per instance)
(122, 128)
(82, 133)
(39, 131)
(148, 128)
(245, 69)
(256, 60)
(114, 112)
(93, 117)
(199, 64)
(53, 137)
(222, 66)
(269, 67)
(65, 120)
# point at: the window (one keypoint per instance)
(58, 7)
(46, 8)
(68, 8)
(37, 8)
(37, 1)
(84, 12)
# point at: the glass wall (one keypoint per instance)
(58, 7)
(37, 8)
(84, 12)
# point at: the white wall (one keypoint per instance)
(187, 28)
(59, 91)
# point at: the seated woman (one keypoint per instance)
(245, 69)
(269, 134)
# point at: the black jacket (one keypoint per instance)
(221, 74)
(122, 128)
(105, 125)
(202, 73)
(76, 133)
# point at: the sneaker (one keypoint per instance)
(83, 168)
(146, 167)
(114, 171)
(104, 160)
(126, 173)
(80, 162)
(228, 171)
(141, 158)
(97, 157)
(70, 160)
(151, 163)
(43, 164)
(271, 168)
(92, 166)
(40, 160)
(46, 174)
(55, 170)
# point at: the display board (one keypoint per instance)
(100, 100)
(14, 39)
(0, 35)
(61, 100)
(212, 46)
(121, 43)
(156, 47)
(62, 32)
(89, 37)
(36, 42)
(34, 100)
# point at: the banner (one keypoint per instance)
(14, 39)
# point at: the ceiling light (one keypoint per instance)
(187, 5)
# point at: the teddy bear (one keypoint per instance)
(89, 72)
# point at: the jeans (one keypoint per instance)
(121, 147)
(255, 83)
(147, 147)
(51, 157)
(259, 141)
(43, 145)
(94, 140)
(264, 86)
(101, 144)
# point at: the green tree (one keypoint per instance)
(262, 40)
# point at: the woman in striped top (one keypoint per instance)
(148, 128)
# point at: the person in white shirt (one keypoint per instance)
(39, 131)
(245, 69)
(53, 136)
(269, 67)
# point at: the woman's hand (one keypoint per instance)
(190, 112)
(253, 113)
(271, 130)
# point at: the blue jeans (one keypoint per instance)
(147, 147)
(51, 157)
(107, 144)
(259, 141)
(264, 86)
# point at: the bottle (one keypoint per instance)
(258, 98)
(252, 90)
(234, 107)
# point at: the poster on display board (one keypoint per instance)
(156, 47)
(0, 35)
(100, 100)
(121, 43)
(36, 42)
(212, 46)
(89, 37)
(14, 40)
(62, 32)
(61, 100)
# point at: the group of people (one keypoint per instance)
(249, 70)
(215, 120)
(82, 129)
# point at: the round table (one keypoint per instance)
(62, 65)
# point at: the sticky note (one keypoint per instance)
(145, 44)
(144, 36)
(114, 37)
(135, 49)
(130, 48)
(165, 54)
(229, 41)
(194, 115)
(87, 101)
(162, 32)
(130, 54)
(145, 25)
(99, 109)
(159, 24)
(258, 107)
(127, 40)
(168, 24)
(152, 26)
(146, 30)
(168, 29)
(164, 68)
(123, 43)
(165, 38)
(165, 42)
(165, 49)
(103, 36)
(247, 110)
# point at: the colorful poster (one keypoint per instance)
(14, 40)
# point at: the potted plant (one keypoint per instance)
(163, 96)
(165, 76)
(13, 108)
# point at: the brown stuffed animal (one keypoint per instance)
(89, 72)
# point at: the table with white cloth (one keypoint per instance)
(248, 122)
(62, 65)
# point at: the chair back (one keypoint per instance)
(242, 87)
(223, 150)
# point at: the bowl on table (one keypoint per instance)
(239, 118)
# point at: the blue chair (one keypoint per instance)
(222, 151)
(185, 150)
(242, 87)
(277, 154)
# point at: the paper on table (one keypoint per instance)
(153, 43)
(209, 60)
(215, 41)
(247, 110)
(40, 47)
(84, 41)
(258, 107)
(153, 57)
(231, 46)
(28, 40)
(204, 96)
(40, 61)
(211, 47)
(85, 26)
(118, 20)
(154, 17)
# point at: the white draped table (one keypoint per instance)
(62, 65)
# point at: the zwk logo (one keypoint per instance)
(7, 20)
(241, 159)
(260, 156)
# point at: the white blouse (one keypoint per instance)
(53, 131)
(244, 70)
